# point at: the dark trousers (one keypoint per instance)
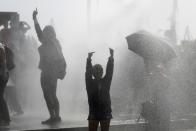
(4, 113)
(49, 86)
(93, 125)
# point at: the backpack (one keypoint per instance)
(61, 68)
(60, 63)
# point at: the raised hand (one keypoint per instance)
(90, 54)
(111, 52)
(35, 12)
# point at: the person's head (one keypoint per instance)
(49, 32)
(97, 71)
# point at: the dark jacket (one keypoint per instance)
(50, 52)
(9, 58)
(99, 92)
(3, 67)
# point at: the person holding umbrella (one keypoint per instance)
(98, 91)
(157, 82)
(157, 53)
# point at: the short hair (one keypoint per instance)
(98, 67)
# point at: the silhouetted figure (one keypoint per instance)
(158, 83)
(12, 97)
(4, 113)
(52, 65)
(98, 90)
(8, 39)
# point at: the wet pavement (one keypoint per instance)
(187, 130)
(27, 122)
(32, 122)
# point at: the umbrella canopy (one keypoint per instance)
(150, 47)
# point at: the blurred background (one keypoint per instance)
(95, 25)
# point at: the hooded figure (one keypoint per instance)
(52, 65)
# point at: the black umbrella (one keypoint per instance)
(150, 47)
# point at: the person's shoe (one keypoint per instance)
(48, 121)
(57, 119)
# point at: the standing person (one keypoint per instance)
(158, 84)
(52, 65)
(11, 91)
(98, 91)
(4, 113)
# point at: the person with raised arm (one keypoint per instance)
(98, 91)
(53, 67)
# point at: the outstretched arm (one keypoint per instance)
(110, 66)
(37, 26)
(89, 68)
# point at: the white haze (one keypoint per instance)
(111, 22)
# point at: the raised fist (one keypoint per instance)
(90, 54)
(111, 52)
(35, 12)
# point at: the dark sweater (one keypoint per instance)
(99, 92)
(50, 52)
